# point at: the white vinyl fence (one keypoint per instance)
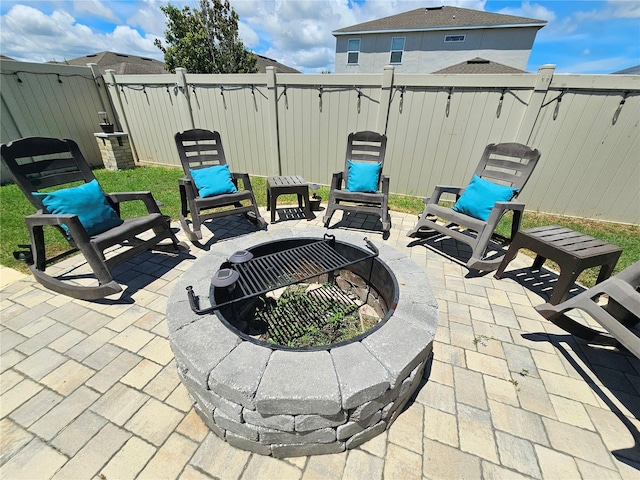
(586, 126)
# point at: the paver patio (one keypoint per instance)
(90, 389)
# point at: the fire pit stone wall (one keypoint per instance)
(290, 403)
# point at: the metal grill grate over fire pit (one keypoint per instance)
(275, 266)
(275, 400)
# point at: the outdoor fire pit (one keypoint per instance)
(274, 399)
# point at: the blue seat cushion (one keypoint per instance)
(212, 181)
(480, 196)
(363, 176)
(88, 202)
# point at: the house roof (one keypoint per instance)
(264, 62)
(479, 66)
(132, 64)
(629, 71)
(122, 63)
(440, 18)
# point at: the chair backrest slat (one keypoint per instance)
(199, 148)
(508, 163)
(36, 163)
(366, 146)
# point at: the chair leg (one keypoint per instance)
(327, 216)
(273, 199)
(192, 235)
(386, 221)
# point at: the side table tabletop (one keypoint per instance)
(290, 184)
(571, 250)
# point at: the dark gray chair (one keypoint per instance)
(38, 163)
(509, 164)
(617, 315)
(198, 149)
(369, 147)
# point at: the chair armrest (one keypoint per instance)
(76, 230)
(440, 189)
(336, 181)
(146, 197)
(246, 182)
(500, 208)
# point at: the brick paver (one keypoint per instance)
(90, 389)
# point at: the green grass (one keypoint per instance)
(163, 182)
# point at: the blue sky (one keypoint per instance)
(580, 36)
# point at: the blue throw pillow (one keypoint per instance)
(363, 176)
(480, 196)
(214, 180)
(87, 201)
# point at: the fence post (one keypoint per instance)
(185, 103)
(385, 98)
(272, 87)
(116, 101)
(528, 123)
(95, 71)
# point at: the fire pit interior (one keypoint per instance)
(303, 293)
(260, 390)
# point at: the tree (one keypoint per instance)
(205, 40)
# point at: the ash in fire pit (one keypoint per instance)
(283, 401)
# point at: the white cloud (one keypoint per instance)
(150, 18)
(623, 9)
(248, 36)
(96, 8)
(530, 10)
(28, 34)
(606, 65)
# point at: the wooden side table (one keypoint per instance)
(571, 250)
(277, 186)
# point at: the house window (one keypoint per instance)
(353, 51)
(454, 38)
(397, 47)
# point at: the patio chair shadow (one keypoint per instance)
(541, 282)
(291, 213)
(360, 222)
(224, 228)
(456, 251)
(610, 367)
(133, 280)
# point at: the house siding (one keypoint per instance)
(426, 52)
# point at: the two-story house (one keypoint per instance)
(425, 40)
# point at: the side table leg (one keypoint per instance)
(606, 270)
(273, 201)
(566, 280)
(510, 255)
(307, 207)
(538, 262)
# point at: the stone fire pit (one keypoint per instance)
(290, 403)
